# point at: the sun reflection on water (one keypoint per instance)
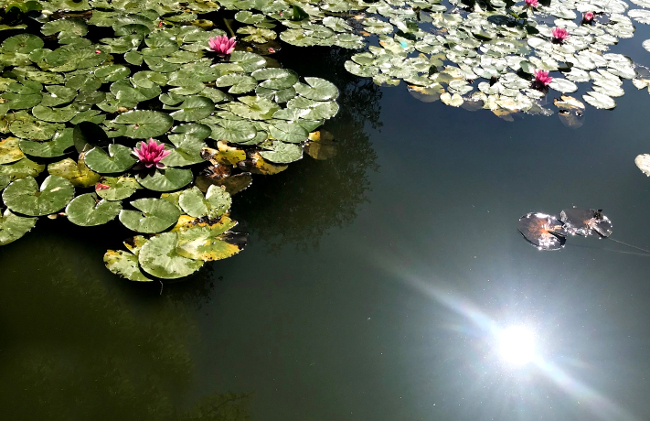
(516, 345)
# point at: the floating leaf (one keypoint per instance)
(232, 183)
(194, 108)
(124, 264)
(145, 124)
(118, 159)
(22, 43)
(55, 115)
(165, 180)
(34, 129)
(24, 196)
(159, 258)
(233, 131)
(318, 89)
(87, 135)
(543, 231)
(9, 150)
(208, 241)
(76, 172)
(13, 227)
(119, 188)
(585, 221)
(20, 169)
(282, 153)
(215, 203)
(86, 210)
(152, 216)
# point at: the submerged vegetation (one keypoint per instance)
(156, 112)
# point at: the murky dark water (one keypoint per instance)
(373, 287)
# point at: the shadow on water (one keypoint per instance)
(296, 207)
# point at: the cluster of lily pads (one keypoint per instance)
(78, 97)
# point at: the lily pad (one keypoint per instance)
(117, 188)
(20, 169)
(118, 159)
(13, 227)
(193, 108)
(24, 195)
(165, 180)
(10, 150)
(317, 89)
(209, 241)
(34, 129)
(60, 143)
(543, 231)
(159, 258)
(145, 124)
(86, 210)
(215, 203)
(282, 153)
(124, 264)
(76, 172)
(152, 216)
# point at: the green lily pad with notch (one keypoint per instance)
(60, 143)
(240, 83)
(124, 264)
(249, 62)
(87, 211)
(187, 151)
(282, 153)
(22, 43)
(288, 132)
(33, 129)
(145, 124)
(234, 131)
(119, 188)
(147, 79)
(213, 205)
(84, 82)
(215, 95)
(129, 96)
(193, 108)
(20, 101)
(24, 195)
(317, 89)
(158, 257)
(10, 150)
(13, 227)
(275, 78)
(316, 110)
(200, 131)
(257, 35)
(245, 16)
(208, 241)
(165, 180)
(152, 216)
(58, 95)
(93, 116)
(253, 107)
(73, 26)
(21, 169)
(55, 115)
(112, 72)
(118, 159)
(76, 172)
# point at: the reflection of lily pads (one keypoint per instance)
(543, 231)
(124, 264)
(118, 159)
(86, 211)
(12, 227)
(167, 179)
(119, 188)
(152, 216)
(159, 258)
(24, 195)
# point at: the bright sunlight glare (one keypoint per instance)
(516, 345)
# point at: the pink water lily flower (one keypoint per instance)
(222, 45)
(559, 35)
(588, 17)
(151, 153)
(532, 3)
(542, 79)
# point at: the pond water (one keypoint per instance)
(375, 285)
